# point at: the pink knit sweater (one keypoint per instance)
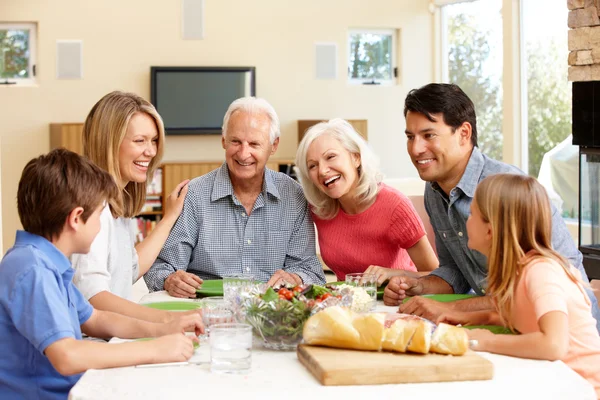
(379, 235)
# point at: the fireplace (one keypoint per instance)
(586, 134)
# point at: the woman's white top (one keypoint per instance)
(112, 263)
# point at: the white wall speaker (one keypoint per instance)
(192, 19)
(325, 60)
(69, 59)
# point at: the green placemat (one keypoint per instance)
(492, 328)
(174, 305)
(210, 287)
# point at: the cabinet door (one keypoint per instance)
(174, 173)
(68, 136)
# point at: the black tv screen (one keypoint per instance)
(193, 100)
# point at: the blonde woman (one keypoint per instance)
(363, 225)
(124, 135)
(534, 289)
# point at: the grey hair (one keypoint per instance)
(254, 105)
(369, 175)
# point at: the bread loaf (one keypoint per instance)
(342, 328)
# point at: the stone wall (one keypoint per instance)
(584, 40)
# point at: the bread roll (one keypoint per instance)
(342, 328)
(449, 339)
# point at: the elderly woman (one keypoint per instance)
(363, 225)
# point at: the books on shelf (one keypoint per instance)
(142, 226)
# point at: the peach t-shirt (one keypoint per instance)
(545, 287)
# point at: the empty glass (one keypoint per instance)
(230, 348)
(368, 282)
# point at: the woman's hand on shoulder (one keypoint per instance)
(174, 203)
(383, 274)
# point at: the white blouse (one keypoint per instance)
(112, 263)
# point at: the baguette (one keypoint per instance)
(342, 328)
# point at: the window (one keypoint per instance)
(17, 53)
(372, 56)
(551, 157)
(473, 53)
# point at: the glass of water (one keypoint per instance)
(233, 286)
(215, 311)
(230, 348)
(368, 282)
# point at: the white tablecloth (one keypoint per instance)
(280, 375)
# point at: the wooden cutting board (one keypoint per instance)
(352, 367)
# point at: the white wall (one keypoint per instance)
(122, 39)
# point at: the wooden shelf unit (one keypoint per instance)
(360, 125)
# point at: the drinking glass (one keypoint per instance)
(215, 311)
(230, 348)
(233, 286)
(368, 282)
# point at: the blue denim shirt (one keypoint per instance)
(465, 269)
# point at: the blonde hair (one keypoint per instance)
(518, 211)
(103, 132)
(369, 176)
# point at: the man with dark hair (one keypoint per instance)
(42, 314)
(441, 132)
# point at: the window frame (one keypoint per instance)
(32, 28)
(514, 82)
(393, 57)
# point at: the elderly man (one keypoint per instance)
(441, 132)
(242, 217)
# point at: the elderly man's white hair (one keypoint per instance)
(254, 105)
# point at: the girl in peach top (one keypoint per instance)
(536, 291)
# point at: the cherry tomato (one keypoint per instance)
(286, 293)
(325, 296)
(297, 289)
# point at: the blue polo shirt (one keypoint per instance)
(38, 306)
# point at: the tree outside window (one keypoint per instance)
(474, 51)
(371, 56)
(17, 52)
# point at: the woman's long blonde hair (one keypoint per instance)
(518, 210)
(369, 176)
(103, 132)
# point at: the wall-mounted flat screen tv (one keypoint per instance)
(193, 100)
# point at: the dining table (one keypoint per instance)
(280, 375)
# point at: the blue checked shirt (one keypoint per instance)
(214, 236)
(465, 269)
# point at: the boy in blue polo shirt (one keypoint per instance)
(42, 314)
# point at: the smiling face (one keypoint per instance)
(439, 154)
(479, 231)
(332, 168)
(247, 147)
(138, 148)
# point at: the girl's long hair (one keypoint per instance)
(518, 209)
(103, 132)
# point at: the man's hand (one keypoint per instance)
(426, 308)
(399, 288)
(182, 284)
(184, 323)
(280, 277)
(383, 274)
(455, 318)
